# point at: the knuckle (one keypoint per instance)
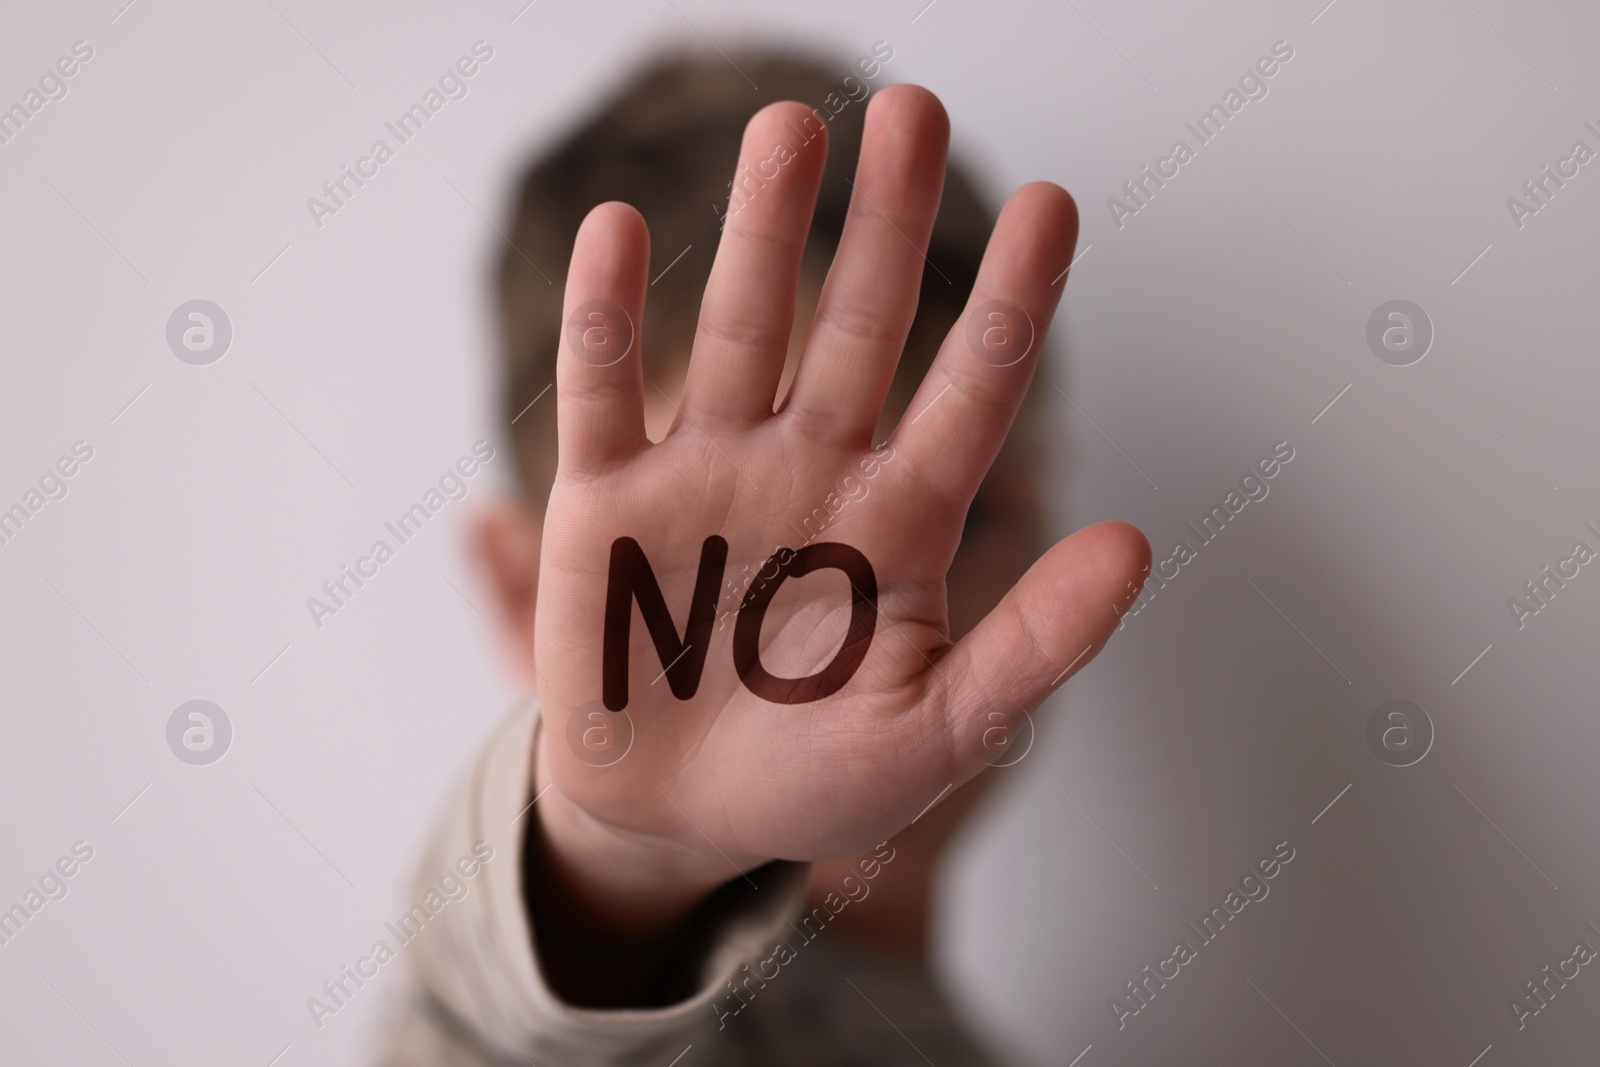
(861, 323)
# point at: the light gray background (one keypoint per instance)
(1222, 319)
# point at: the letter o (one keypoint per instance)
(863, 621)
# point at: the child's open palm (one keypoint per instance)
(833, 708)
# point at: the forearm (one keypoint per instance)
(484, 975)
(616, 913)
(619, 881)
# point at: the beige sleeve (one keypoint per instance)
(477, 993)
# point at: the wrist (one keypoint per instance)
(617, 880)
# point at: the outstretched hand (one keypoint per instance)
(721, 774)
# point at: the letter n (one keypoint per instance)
(632, 579)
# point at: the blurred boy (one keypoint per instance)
(750, 871)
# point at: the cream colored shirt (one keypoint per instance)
(477, 996)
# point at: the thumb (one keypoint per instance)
(1047, 628)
